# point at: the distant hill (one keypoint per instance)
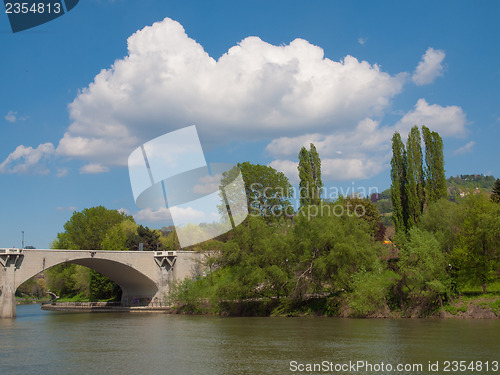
(458, 186)
(466, 183)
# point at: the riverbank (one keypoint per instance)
(464, 307)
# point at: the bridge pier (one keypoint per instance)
(9, 262)
(7, 302)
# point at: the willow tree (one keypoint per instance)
(310, 176)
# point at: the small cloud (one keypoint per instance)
(208, 184)
(465, 149)
(93, 168)
(66, 208)
(124, 211)
(430, 67)
(149, 215)
(362, 41)
(62, 172)
(11, 116)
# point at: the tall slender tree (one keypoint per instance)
(434, 161)
(398, 177)
(310, 176)
(316, 174)
(415, 177)
(412, 185)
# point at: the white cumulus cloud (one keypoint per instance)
(149, 215)
(290, 94)
(28, 159)
(447, 121)
(183, 215)
(357, 154)
(430, 67)
(255, 90)
(364, 151)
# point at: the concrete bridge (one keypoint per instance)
(141, 275)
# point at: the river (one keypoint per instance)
(42, 342)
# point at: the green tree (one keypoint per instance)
(495, 194)
(150, 239)
(369, 290)
(255, 262)
(412, 187)
(443, 219)
(476, 257)
(434, 160)
(415, 177)
(422, 267)
(117, 237)
(87, 229)
(363, 209)
(329, 249)
(268, 191)
(398, 186)
(310, 176)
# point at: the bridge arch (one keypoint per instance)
(132, 282)
(140, 274)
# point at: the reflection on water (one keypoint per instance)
(40, 342)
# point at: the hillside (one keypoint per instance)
(458, 186)
(463, 184)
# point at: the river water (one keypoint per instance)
(42, 342)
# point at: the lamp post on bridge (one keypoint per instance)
(22, 232)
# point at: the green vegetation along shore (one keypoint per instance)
(434, 252)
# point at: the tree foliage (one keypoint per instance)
(268, 191)
(495, 194)
(414, 186)
(398, 178)
(87, 229)
(310, 176)
(422, 266)
(434, 160)
(476, 257)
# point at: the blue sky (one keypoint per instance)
(258, 78)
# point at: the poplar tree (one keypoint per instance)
(316, 173)
(398, 177)
(415, 177)
(434, 161)
(413, 186)
(310, 176)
